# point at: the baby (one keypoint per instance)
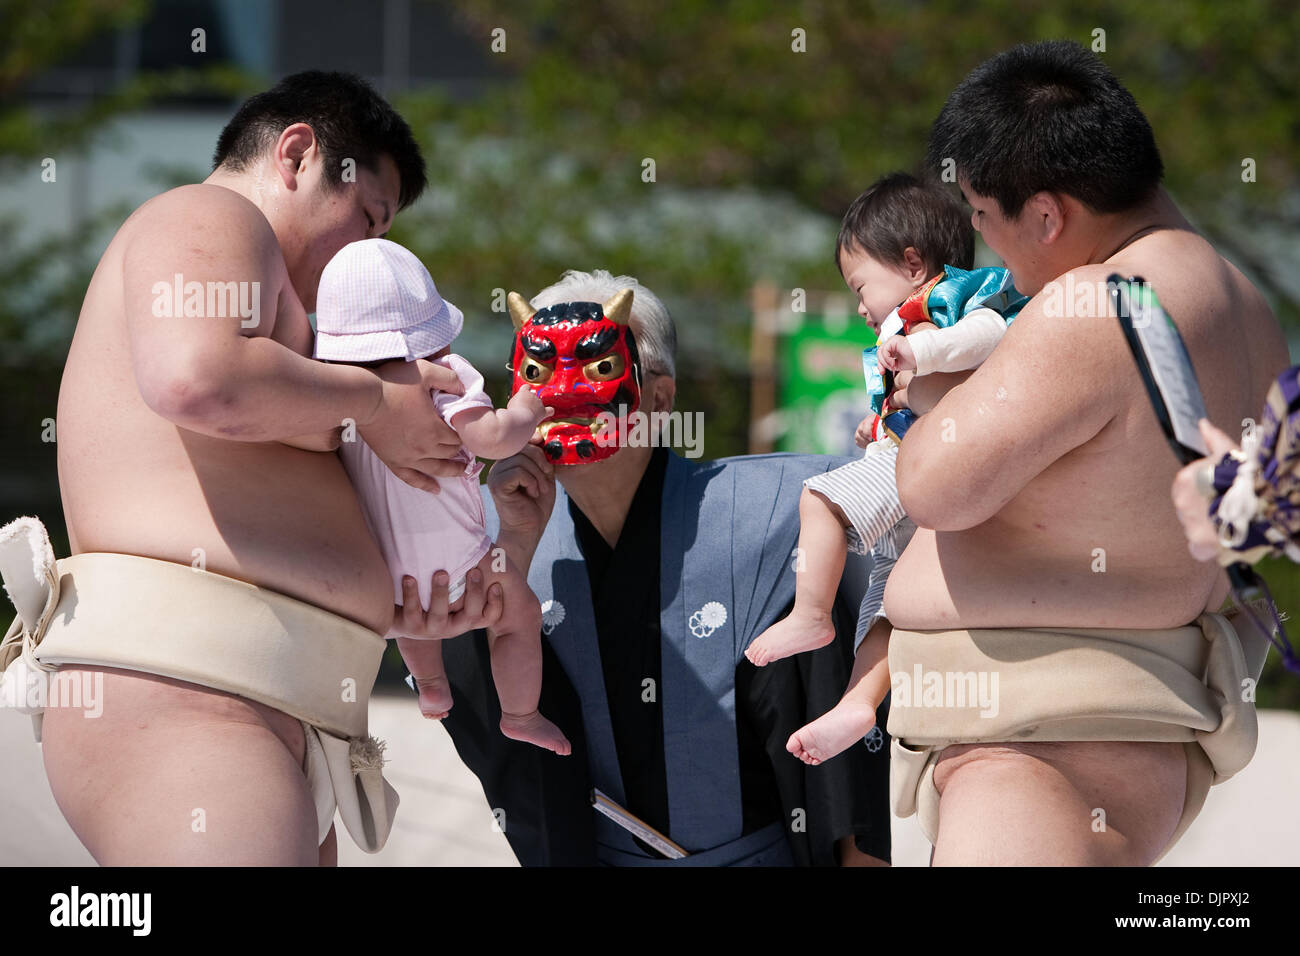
(894, 246)
(378, 303)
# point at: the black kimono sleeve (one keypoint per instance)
(546, 798)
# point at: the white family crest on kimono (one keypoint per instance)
(708, 619)
(552, 615)
(724, 574)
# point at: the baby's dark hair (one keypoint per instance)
(897, 211)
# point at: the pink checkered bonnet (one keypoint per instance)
(376, 300)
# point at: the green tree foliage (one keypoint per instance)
(42, 283)
(714, 91)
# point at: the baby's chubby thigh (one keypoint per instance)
(521, 611)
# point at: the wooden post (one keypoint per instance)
(762, 367)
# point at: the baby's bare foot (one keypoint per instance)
(435, 696)
(832, 733)
(535, 729)
(796, 633)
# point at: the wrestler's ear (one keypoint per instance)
(293, 148)
(1047, 214)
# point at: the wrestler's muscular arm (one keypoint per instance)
(1034, 399)
(925, 391)
(213, 376)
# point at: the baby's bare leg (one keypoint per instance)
(819, 562)
(515, 645)
(424, 660)
(853, 717)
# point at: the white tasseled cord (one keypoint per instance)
(1238, 507)
(366, 753)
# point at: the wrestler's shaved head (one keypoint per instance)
(1047, 117)
(349, 119)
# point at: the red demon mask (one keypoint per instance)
(581, 359)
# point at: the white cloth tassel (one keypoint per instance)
(1238, 507)
(366, 753)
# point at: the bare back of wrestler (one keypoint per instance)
(1049, 504)
(173, 444)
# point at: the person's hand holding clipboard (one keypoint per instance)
(1171, 384)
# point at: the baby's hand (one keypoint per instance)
(896, 354)
(862, 437)
(526, 401)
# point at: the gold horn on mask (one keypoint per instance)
(520, 310)
(619, 308)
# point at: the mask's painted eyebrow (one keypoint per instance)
(540, 349)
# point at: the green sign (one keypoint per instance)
(822, 394)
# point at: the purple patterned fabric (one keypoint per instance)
(1275, 529)
(1275, 526)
